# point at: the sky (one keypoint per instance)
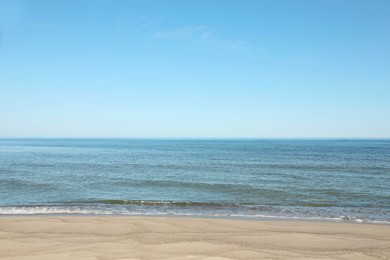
(195, 68)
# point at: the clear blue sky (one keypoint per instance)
(195, 68)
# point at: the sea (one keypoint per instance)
(299, 179)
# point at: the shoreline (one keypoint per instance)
(263, 218)
(140, 237)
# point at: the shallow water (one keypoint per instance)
(346, 180)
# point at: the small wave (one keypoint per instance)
(37, 210)
(162, 203)
(318, 204)
(195, 209)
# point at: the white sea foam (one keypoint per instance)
(138, 211)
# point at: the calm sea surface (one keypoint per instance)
(341, 180)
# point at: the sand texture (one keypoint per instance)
(66, 237)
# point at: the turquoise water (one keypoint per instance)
(341, 180)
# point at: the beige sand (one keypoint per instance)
(187, 238)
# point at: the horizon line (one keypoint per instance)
(198, 138)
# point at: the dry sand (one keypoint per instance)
(66, 237)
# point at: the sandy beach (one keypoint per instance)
(90, 237)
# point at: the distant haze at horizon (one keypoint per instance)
(194, 69)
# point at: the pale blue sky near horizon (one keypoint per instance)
(195, 68)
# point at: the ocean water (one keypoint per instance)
(339, 180)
